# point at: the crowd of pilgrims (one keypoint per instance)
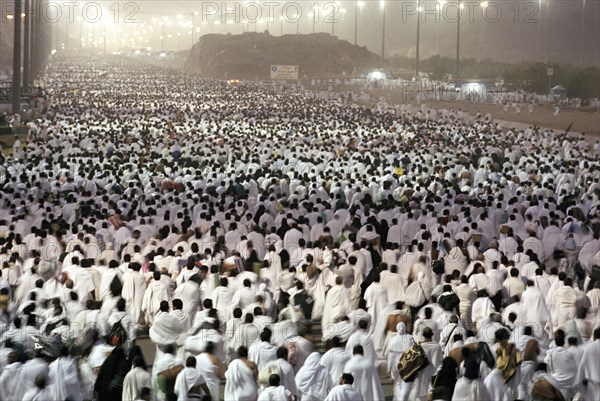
(244, 230)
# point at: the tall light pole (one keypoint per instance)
(459, 12)
(358, 7)
(546, 32)
(439, 7)
(582, 33)
(382, 5)
(194, 15)
(539, 52)
(80, 20)
(16, 79)
(483, 5)
(418, 38)
(27, 44)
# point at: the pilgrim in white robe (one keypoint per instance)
(589, 370)
(344, 392)
(162, 363)
(240, 384)
(420, 386)
(166, 330)
(11, 374)
(187, 379)
(261, 354)
(284, 370)
(395, 347)
(337, 303)
(312, 380)
(377, 300)
(135, 380)
(30, 370)
(562, 366)
(64, 379)
(189, 293)
(209, 371)
(366, 378)
(470, 390)
(533, 311)
(279, 393)
(363, 338)
(334, 360)
(154, 295)
(495, 386)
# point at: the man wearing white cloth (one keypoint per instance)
(275, 391)
(313, 380)
(135, 380)
(155, 293)
(345, 391)
(64, 378)
(394, 349)
(363, 338)
(365, 373)
(190, 383)
(261, 353)
(588, 375)
(240, 378)
(561, 365)
(166, 330)
(162, 363)
(420, 387)
(335, 359)
(533, 309)
(337, 303)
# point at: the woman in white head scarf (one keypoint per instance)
(313, 379)
(394, 348)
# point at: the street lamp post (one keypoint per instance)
(357, 8)
(459, 8)
(80, 19)
(26, 44)
(581, 46)
(546, 32)
(16, 79)
(418, 37)
(194, 14)
(483, 52)
(382, 5)
(312, 16)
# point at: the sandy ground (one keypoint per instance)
(583, 121)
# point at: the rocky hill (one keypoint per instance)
(250, 55)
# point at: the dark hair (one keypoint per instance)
(242, 352)
(282, 353)
(190, 362)
(347, 378)
(274, 380)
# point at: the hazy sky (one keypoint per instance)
(545, 30)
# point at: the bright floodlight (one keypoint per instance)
(163, 54)
(376, 76)
(360, 4)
